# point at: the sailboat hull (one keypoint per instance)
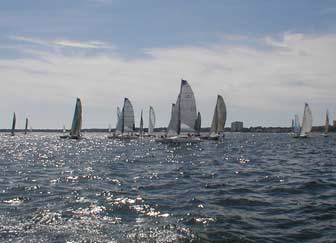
(179, 140)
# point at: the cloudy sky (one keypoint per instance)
(265, 57)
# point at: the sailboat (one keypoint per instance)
(26, 126)
(151, 122)
(307, 122)
(13, 124)
(141, 126)
(218, 120)
(326, 125)
(181, 128)
(125, 124)
(296, 126)
(64, 135)
(75, 132)
(198, 124)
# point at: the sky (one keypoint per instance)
(265, 57)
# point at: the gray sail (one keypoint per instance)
(128, 124)
(326, 126)
(151, 123)
(219, 118)
(26, 126)
(141, 125)
(173, 124)
(307, 121)
(119, 121)
(198, 123)
(186, 105)
(76, 126)
(13, 124)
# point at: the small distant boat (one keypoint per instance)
(141, 126)
(326, 125)
(13, 124)
(218, 120)
(198, 124)
(26, 126)
(151, 122)
(181, 128)
(307, 122)
(296, 126)
(75, 131)
(64, 133)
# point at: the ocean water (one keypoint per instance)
(250, 188)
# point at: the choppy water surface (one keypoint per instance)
(251, 188)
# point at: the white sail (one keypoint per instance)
(326, 126)
(77, 120)
(109, 128)
(64, 129)
(13, 124)
(141, 125)
(307, 121)
(219, 117)
(297, 127)
(173, 124)
(151, 123)
(128, 124)
(186, 105)
(119, 121)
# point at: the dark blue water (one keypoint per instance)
(251, 188)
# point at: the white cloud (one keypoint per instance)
(260, 86)
(63, 43)
(88, 45)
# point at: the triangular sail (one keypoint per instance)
(198, 123)
(219, 118)
(307, 121)
(128, 124)
(173, 124)
(77, 120)
(186, 105)
(109, 128)
(151, 123)
(326, 126)
(141, 125)
(64, 129)
(119, 121)
(26, 126)
(13, 124)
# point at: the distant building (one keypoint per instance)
(334, 123)
(237, 126)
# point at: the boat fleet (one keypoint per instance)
(184, 124)
(304, 129)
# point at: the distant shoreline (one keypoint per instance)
(258, 129)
